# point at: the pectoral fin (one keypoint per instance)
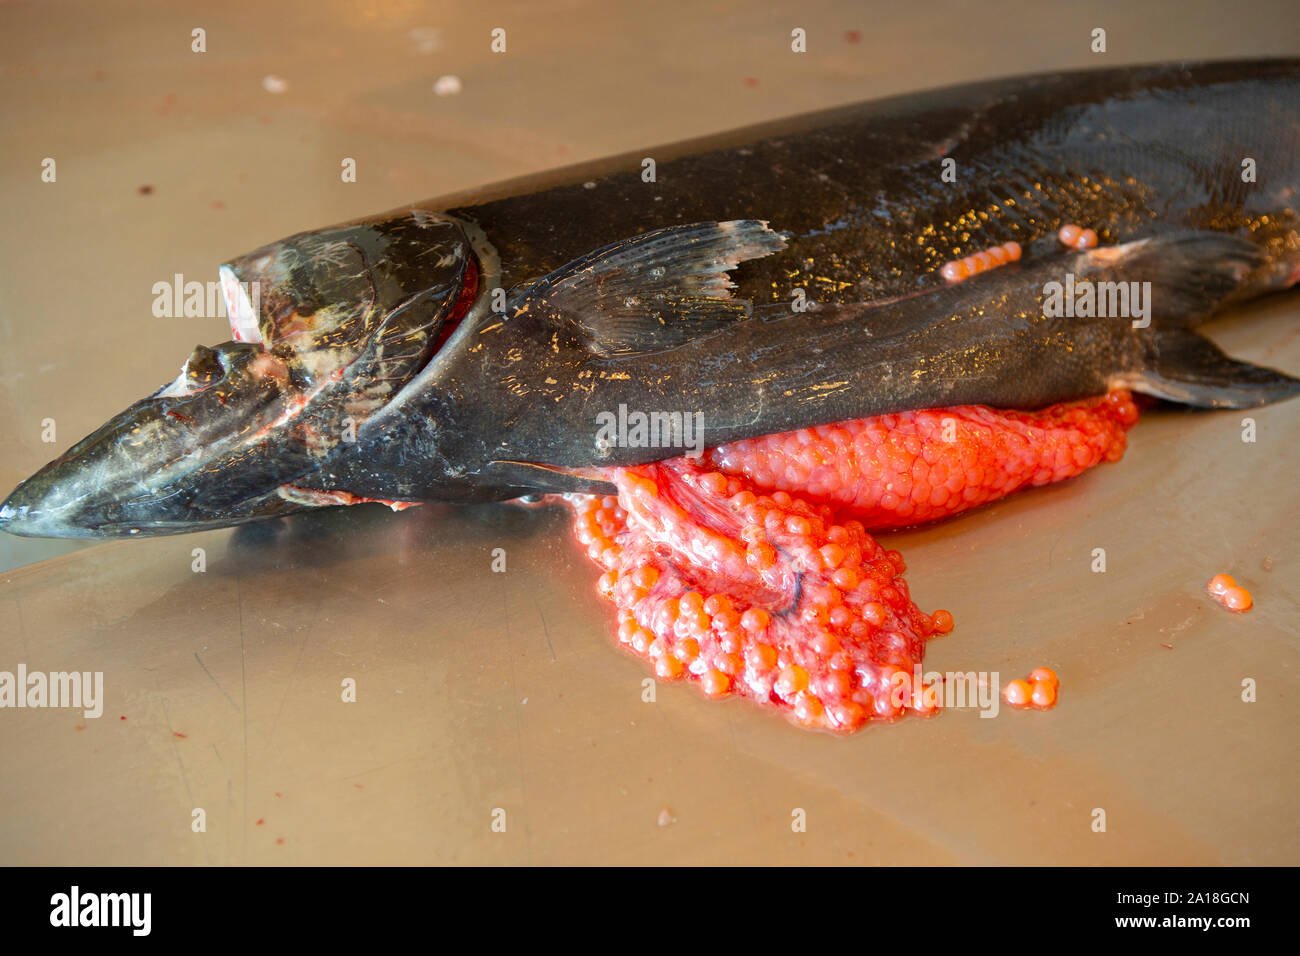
(549, 478)
(655, 291)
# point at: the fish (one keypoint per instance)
(493, 346)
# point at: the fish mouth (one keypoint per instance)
(337, 323)
(28, 516)
(175, 461)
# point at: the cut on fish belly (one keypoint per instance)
(752, 571)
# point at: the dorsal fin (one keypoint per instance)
(655, 291)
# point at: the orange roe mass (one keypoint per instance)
(768, 597)
(751, 571)
(899, 470)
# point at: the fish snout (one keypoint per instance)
(36, 510)
(8, 512)
(72, 498)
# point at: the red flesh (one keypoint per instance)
(468, 292)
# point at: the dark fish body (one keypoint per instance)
(592, 291)
(868, 221)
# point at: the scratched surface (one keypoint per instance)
(478, 691)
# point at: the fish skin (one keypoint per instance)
(860, 219)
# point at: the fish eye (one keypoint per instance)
(203, 367)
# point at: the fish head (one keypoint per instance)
(327, 327)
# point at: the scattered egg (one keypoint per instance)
(990, 258)
(1226, 591)
(1038, 692)
(1076, 237)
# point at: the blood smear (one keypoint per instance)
(751, 572)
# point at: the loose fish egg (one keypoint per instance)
(1228, 593)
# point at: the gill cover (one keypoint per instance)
(360, 303)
